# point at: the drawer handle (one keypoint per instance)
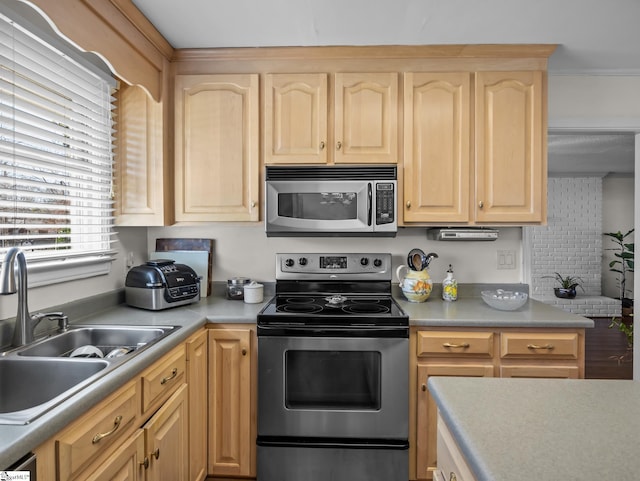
(548, 347)
(116, 424)
(174, 373)
(464, 345)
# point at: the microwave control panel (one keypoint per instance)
(385, 200)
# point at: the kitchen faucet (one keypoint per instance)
(25, 322)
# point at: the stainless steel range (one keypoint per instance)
(333, 372)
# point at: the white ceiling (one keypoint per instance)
(593, 36)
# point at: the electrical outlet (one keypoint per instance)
(506, 259)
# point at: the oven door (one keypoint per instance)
(333, 387)
(316, 207)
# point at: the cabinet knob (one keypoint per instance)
(244, 351)
(424, 388)
(253, 204)
(453, 477)
(145, 463)
(322, 145)
(481, 204)
(408, 204)
(156, 453)
(339, 145)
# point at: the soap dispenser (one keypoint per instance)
(449, 286)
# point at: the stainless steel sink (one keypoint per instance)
(37, 377)
(30, 387)
(105, 338)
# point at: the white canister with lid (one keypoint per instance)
(253, 293)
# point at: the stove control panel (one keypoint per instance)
(375, 266)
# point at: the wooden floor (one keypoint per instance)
(603, 347)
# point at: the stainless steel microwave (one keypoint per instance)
(331, 200)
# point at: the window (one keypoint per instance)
(56, 138)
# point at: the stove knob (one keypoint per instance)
(364, 262)
(289, 263)
(377, 262)
(302, 261)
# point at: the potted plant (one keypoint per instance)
(622, 265)
(568, 284)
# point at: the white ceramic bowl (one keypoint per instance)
(87, 351)
(504, 300)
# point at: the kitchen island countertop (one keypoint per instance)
(533, 429)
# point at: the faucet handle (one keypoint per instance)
(63, 320)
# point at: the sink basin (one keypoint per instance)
(30, 387)
(105, 338)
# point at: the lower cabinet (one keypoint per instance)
(479, 352)
(140, 432)
(232, 400)
(451, 463)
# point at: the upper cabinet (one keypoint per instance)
(474, 155)
(511, 170)
(303, 126)
(139, 171)
(216, 148)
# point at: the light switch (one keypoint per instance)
(506, 259)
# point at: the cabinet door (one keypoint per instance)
(126, 464)
(366, 118)
(426, 416)
(232, 432)
(166, 440)
(436, 147)
(511, 167)
(198, 409)
(295, 118)
(139, 161)
(216, 147)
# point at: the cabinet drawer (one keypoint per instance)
(539, 346)
(451, 343)
(96, 431)
(162, 379)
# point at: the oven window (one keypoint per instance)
(319, 205)
(332, 379)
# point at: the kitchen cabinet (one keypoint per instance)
(480, 352)
(451, 462)
(139, 432)
(302, 126)
(232, 400)
(139, 171)
(166, 443)
(197, 380)
(216, 148)
(502, 121)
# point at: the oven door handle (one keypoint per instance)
(333, 331)
(370, 204)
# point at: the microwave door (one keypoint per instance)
(317, 207)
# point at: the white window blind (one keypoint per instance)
(56, 137)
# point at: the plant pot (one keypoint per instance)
(563, 293)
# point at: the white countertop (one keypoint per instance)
(543, 429)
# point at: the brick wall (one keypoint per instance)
(570, 244)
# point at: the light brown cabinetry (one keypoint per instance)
(216, 148)
(359, 126)
(451, 463)
(197, 380)
(480, 352)
(232, 401)
(139, 432)
(475, 155)
(139, 172)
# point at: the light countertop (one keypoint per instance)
(535, 429)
